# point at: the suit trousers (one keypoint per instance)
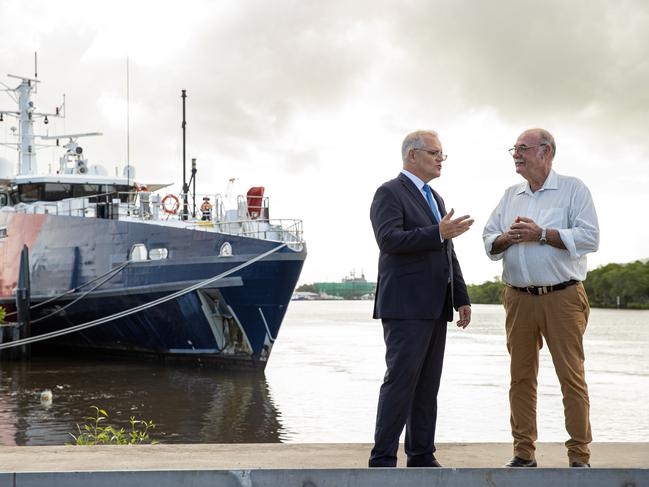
(408, 396)
(561, 318)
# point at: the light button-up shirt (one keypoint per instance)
(563, 203)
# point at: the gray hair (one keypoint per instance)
(415, 140)
(545, 137)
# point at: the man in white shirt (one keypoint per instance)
(542, 230)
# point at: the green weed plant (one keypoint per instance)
(2, 314)
(96, 432)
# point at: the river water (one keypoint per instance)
(321, 385)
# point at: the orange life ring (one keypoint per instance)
(173, 209)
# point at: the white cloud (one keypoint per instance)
(312, 100)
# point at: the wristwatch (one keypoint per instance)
(543, 240)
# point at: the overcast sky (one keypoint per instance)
(312, 100)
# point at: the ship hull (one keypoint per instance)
(232, 322)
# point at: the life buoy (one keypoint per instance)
(175, 204)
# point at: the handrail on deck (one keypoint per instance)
(133, 205)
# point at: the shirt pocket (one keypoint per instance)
(553, 218)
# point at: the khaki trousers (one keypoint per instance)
(560, 317)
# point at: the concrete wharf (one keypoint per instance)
(310, 465)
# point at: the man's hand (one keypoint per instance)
(524, 230)
(465, 316)
(452, 228)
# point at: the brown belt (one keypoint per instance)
(540, 290)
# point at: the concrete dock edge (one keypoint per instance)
(446, 477)
(311, 465)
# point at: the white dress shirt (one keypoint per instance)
(420, 184)
(564, 204)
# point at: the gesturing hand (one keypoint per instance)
(452, 228)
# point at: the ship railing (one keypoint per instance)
(277, 230)
(243, 220)
(171, 206)
(59, 208)
(216, 201)
(82, 206)
(113, 205)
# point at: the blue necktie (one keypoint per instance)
(433, 207)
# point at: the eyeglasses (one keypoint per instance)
(435, 153)
(521, 149)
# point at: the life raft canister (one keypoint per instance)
(255, 198)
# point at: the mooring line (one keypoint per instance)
(137, 309)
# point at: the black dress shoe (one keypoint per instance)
(415, 462)
(517, 462)
(579, 465)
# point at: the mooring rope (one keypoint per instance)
(137, 309)
(114, 272)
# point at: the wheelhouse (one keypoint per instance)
(57, 191)
(32, 189)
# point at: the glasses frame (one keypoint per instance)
(523, 149)
(434, 153)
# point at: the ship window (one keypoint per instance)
(57, 191)
(117, 191)
(158, 254)
(81, 190)
(3, 199)
(28, 193)
(226, 250)
(126, 194)
(138, 252)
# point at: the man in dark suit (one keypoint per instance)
(419, 284)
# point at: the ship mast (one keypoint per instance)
(26, 146)
(26, 114)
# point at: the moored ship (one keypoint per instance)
(207, 286)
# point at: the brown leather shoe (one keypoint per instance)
(517, 462)
(579, 465)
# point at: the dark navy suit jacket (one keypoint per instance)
(414, 264)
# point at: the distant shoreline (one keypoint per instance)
(473, 301)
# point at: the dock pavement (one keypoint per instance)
(310, 465)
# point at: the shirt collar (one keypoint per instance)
(551, 182)
(417, 182)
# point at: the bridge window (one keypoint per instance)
(28, 193)
(57, 191)
(82, 190)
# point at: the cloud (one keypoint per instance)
(584, 62)
(309, 98)
(256, 72)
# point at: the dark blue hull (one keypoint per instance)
(232, 322)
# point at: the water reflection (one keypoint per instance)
(188, 405)
(322, 383)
